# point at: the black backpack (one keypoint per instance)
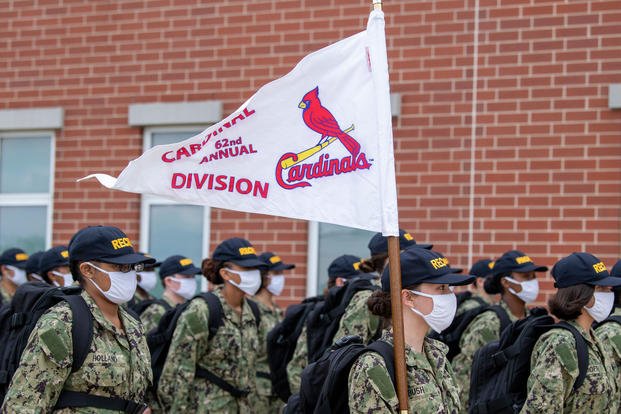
(159, 339)
(139, 307)
(324, 387)
(500, 369)
(323, 321)
(282, 341)
(17, 320)
(464, 296)
(452, 335)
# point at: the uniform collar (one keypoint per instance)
(128, 321)
(432, 351)
(587, 335)
(246, 317)
(512, 317)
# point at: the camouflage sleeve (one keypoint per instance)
(44, 366)
(358, 320)
(467, 305)
(298, 363)
(189, 340)
(151, 316)
(370, 387)
(554, 367)
(482, 330)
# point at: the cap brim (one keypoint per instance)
(249, 263)
(21, 265)
(607, 281)
(192, 270)
(282, 266)
(532, 268)
(128, 259)
(451, 279)
(156, 264)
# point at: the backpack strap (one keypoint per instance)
(611, 318)
(479, 300)
(387, 352)
(73, 399)
(256, 312)
(220, 382)
(81, 329)
(216, 313)
(581, 350)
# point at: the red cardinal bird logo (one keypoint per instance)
(320, 120)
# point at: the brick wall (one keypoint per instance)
(548, 178)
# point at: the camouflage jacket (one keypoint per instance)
(4, 295)
(431, 383)
(554, 363)
(609, 334)
(151, 316)
(118, 364)
(483, 329)
(230, 354)
(298, 362)
(267, 403)
(470, 303)
(358, 320)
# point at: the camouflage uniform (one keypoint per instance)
(483, 329)
(230, 354)
(431, 382)
(470, 303)
(358, 320)
(153, 313)
(609, 334)
(6, 298)
(554, 363)
(118, 364)
(298, 362)
(267, 402)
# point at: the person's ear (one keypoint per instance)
(505, 283)
(86, 270)
(407, 298)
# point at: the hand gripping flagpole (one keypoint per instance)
(397, 316)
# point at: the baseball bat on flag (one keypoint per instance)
(315, 144)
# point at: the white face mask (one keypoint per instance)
(122, 285)
(604, 302)
(443, 312)
(250, 280)
(19, 275)
(36, 277)
(148, 280)
(187, 287)
(67, 278)
(530, 289)
(277, 284)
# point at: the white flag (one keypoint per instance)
(315, 144)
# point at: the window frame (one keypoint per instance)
(34, 199)
(146, 201)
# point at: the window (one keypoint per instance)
(26, 188)
(167, 227)
(327, 242)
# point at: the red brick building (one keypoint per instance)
(86, 85)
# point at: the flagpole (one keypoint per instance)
(397, 315)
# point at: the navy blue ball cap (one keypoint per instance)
(582, 268)
(238, 251)
(14, 257)
(52, 258)
(178, 264)
(105, 244)
(274, 262)
(616, 269)
(344, 266)
(482, 268)
(425, 266)
(32, 264)
(516, 261)
(150, 266)
(379, 244)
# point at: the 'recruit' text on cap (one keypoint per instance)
(379, 244)
(52, 258)
(582, 268)
(425, 266)
(238, 251)
(274, 262)
(105, 244)
(14, 257)
(344, 266)
(482, 268)
(516, 261)
(178, 264)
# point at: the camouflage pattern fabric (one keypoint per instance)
(230, 354)
(266, 402)
(298, 362)
(151, 316)
(6, 298)
(358, 320)
(118, 364)
(483, 329)
(431, 383)
(554, 365)
(470, 303)
(609, 335)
